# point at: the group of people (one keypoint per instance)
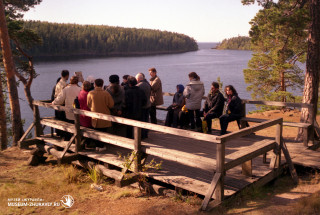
(137, 98)
(186, 106)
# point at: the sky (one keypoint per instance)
(204, 20)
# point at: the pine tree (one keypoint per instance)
(279, 42)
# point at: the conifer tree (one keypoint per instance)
(279, 42)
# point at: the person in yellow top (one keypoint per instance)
(100, 101)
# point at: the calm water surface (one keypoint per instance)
(172, 69)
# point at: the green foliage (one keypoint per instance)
(74, 39)
(15, 8)
(279, 42)
(236, 43)
(95, 176)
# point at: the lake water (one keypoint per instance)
(172, 69)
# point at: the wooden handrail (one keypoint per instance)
(154, 127)
(250, 129)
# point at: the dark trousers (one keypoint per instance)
(224, 121)
(197, 122)
(153, 114)
(145, 118)
(209, 118)
(61, 115)
(172, 118)
(183, 119)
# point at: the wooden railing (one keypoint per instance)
(309, 128)
(217, 184)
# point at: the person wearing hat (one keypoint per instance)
(117, 93)
(172, 118)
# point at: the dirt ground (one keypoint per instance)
(48, 183)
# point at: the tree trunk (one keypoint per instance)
(310, 94)
(11, 81)
(3, 121)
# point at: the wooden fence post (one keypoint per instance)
(279, 144)
(137, 149)
(243, 124)
(36, 118)
(219, 192)
(78, 132)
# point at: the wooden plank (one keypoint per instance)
(26, 133)
(281, 104)
(109, 172)
(145, 125)
(101, 156)
(181, 157)
(68, 146)
(219, 190)
(291, 124)
(258, 148)
(250, 130)
(293, 172)
(279, 143)
(137, 149)
(210, 191)
(36, 116)
(90, 133)
(28, 142)
(247, 168)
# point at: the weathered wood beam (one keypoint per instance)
(210, 191)
(250, 130)
(253, 151)
(145, 125)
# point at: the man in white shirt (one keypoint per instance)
(62, 83)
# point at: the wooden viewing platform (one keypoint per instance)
(213, 166)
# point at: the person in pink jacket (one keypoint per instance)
(82, 97)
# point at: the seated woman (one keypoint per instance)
(174, 109)
(233, 110)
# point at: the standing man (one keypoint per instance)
(144, 85)
(213, 107)
(156, 97)
(62, 83)
(100, 101)
(66, 97)
(135, 99)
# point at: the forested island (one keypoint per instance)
(100, 40)
(236, 43)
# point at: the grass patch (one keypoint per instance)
(72, 174)
(126, 193)
(309, 205)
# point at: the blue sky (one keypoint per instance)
(204, 20)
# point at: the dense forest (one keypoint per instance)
(235, 43)
(73, 40)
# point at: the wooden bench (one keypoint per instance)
(309, 128)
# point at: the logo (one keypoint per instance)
(67, 201)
